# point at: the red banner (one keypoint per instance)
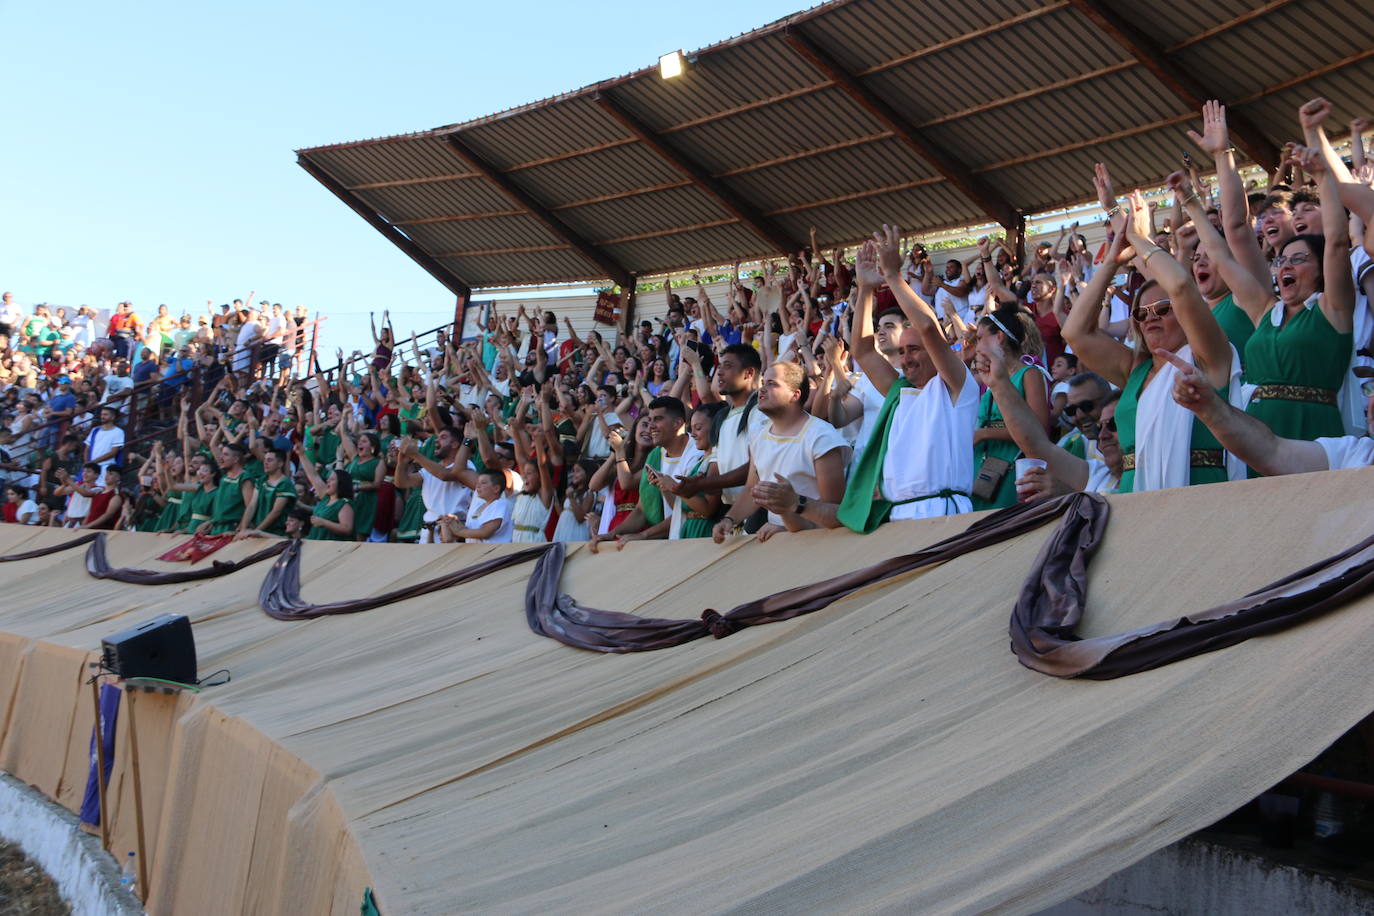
(196, 549)
(607, 308)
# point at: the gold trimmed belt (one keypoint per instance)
(1305, 393)
(528, 529)
(995, 424)
(200, 518)
(1197, 458)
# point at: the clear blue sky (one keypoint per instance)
(148, 149)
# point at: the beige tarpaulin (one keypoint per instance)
(887, 752)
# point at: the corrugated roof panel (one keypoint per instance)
(764, 134)
(545, 266)
(642, 213)
(848, 171)
(850, 32)
(404, 202)
(483, 235)
(568, 126)
(416, 158)
(920, 90)
(954, 57)
(613, 171)
(720, 81)
(1119, 102)
(718, 245)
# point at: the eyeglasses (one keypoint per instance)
(1110, 425)
(1157, 310)
(1084, 405)
(1302, 257)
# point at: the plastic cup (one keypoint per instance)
(1025, 464)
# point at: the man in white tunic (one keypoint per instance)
(445, 483)
(919, 461)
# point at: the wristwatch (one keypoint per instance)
(801, 505)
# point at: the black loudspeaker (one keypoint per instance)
(161, 648)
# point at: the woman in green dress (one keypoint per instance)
(1168, 315)
(1298, 357)
(368, 471)
(1300, 352)
(200, 502)
(700, 512)
(332, 515)
(1015, 332)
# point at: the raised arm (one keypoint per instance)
(1211, 349)
(1247, 292)
(872, 363)
(1027, 430)
(1246, 437)
(1096, 349)
(1338, 294)
(1215, 140)
(951, 368)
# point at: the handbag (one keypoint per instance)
(989, 478)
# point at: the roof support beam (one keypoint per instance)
(955, 172)
(613, 270)
(1185, 87)
(736, 206)
(398, 238)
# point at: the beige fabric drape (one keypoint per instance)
(885, 753)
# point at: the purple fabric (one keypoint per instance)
(105, 731)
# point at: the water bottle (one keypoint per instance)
(129, 875)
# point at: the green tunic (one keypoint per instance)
(364, 503)
(330, 512)
(170, 519)
(323, 449)
(200, 503)
(990, 416)
(227, 509)
(1303, 362)
(694, 526)
(413, 512)
(1235, 323)
(1202, 438)
(267, 495)
(650, 500)
(410, 419)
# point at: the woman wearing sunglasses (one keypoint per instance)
(1162, 444)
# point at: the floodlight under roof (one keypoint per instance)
(671, 65)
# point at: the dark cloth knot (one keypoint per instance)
(719, 626)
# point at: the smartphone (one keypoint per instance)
(1187, 161)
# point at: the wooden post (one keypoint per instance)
(100, 767)
(138, 797)
(312, 362)
(627, 308)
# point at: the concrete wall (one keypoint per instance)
(1196, 877)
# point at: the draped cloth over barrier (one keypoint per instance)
(99, 567)
(1053, 600)
(835, 761)
(560, 617)
(280, 595)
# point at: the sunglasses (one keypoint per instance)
(1158, 310)
(1110, 425)
(1084, 405)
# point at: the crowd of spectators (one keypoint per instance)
(1222, 337)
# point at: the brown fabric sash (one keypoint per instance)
(1052, 600)
(562, 618)
(280, 595)
(99, 567)
(48, 551)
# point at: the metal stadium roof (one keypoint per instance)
(931, 114)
